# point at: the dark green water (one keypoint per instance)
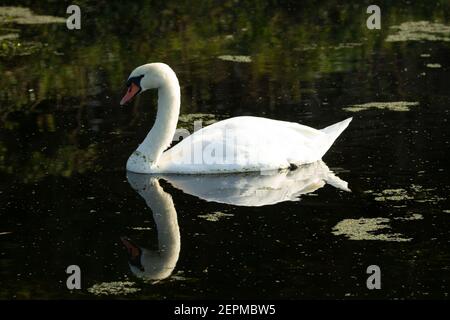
(64, 141)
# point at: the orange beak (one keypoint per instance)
(132, 91)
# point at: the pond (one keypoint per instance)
(380, 196)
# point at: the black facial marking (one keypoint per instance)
(136, 80)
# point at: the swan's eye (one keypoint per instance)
(136, 80)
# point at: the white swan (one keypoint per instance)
(240, 144)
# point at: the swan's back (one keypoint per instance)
(249, 144)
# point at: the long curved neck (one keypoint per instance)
(161, 135)
(165, 216)
(160, 264)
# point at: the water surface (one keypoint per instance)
(64, 141)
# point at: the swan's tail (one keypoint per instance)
(334, 131)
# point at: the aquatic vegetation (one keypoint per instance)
(22, 15)
(434, 65)
(420, 31)
(367, 229)
(416, 193)
(393, 195)
(113, 288)
(401, 106)
(141, 228)
(245, 59)
(189, 118)
(214, 217)
(414, 216)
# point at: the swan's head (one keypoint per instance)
(145, 77)
(147, 264)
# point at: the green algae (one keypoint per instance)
(242, 59)
(21, 15)
(434, 65)
(416, 193)
(141, 228)
(113, 288)
(367, 229)
(393, 195)
(414, 216)
(399, 106)
(214, 217)
(191, 117)
(419, 31)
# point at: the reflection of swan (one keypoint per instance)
(242, 189)
(256, 189)
(147, 264)
(240, 144)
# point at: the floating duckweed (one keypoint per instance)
(191, 117)
(433, 65)
(420, 31)
(416, 193)
(114, 288)
(214, 217)
(414, 216)
(141, 228)
(367, 229)
(22, 15)
(246, 59)
(401, 106)
(393, 195)
(186, 121)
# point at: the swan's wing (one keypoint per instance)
(245, 144)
